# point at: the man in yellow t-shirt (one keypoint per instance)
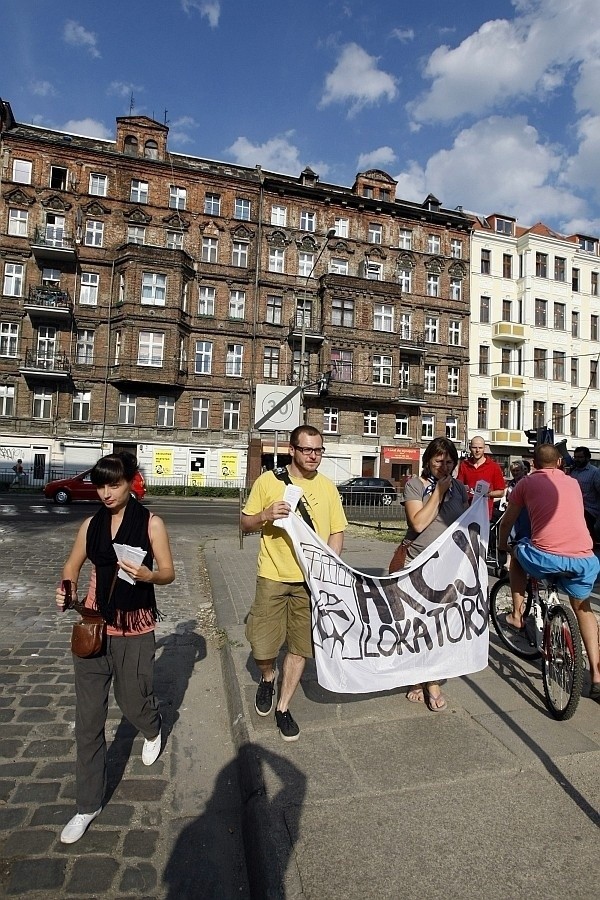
(281, 608)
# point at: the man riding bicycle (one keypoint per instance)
(560, 547)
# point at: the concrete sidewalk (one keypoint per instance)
(382, 798)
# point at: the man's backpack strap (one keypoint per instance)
(282, 474)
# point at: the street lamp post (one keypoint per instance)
(330, 234)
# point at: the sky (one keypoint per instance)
(491, 105)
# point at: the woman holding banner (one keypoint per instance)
(433, 501)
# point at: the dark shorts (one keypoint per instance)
(575, 575)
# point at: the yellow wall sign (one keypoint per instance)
(162, 462)
(197, 479)
(228, 465)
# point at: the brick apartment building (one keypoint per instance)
(156, 301)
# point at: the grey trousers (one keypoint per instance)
(129, 664)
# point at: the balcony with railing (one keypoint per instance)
(45, 365)
(304, 326)
(52, 242)
(506, 436)
(513, 332)
(156, 371)
(47, 303)
(512, 384)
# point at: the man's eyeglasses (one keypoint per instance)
(308, 451)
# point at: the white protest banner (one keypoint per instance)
(427, 622)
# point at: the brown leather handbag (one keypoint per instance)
(398, 560)
(87, 638)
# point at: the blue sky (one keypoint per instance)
(493, 105)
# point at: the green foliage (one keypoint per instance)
(179, 490)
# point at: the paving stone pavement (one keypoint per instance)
(169, 831)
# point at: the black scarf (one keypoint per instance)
(124, 607)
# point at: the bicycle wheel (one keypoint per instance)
(521, 643)
(562, 665)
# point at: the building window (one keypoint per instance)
(330, 420)
(560, 268)
(375, 234)
(306, 263)
(21, 171)
(504, 226)
(575, 324)
(308, 221)
(430, 377)
(405, 326)
(276, 260)
(342, 312)
(373, 271)
(405, 280)
(593, 328)
(594, 284)
(18, 220)
(484, 360)
(151, 348)
(98, 185)
(274, 308)
(212, 204)
(174, 240)
(234, 359)
(203, 358)
(231, 415)
(504, 414)
(455, 289)
(177, 197)
(237, 304)
(206, 301)
(405, 239)
(541, 265)
(370, 422)
(200, 408)
(341, 363)
(432, 330)
(507, 265)
(484, 310)
(139, 191)
(13, 280)
(593, 423)
(338, 266)
(539, 362)
(279, 216)
(85, 347)
(427, 427)
(117, 353)
(150, 150)
(42, 404)
(594, 373)
(271, 362)
(130, 146)
(433, 285)
(242, 209)
(7, 400)
(575, 279)
(558, 365)
(9, 339)
(239, 254)
(127, 404)
(574, 371)
(454, 333)
(58, 178)
(404, 376)
(342, 227)
(506, 364)
(303, 317)
(154, 289)
(433, 243)
(486, 262)
(560, 316)
(210, 249)
(368, 192)
(539, 413)
(573, 421)
(382, 369)
(452, 428)
(588, 245)
(456, 248)
(94, 233)
(165, 412)
(136, 234)
(558, 417)
(541, 313)
(88, 291)
(401, 425)
(482, 412)
(453, 379)
(80, 411)
(383, 317)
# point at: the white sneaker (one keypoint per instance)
(151, 750)
(77, 827)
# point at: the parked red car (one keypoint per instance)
(79, 487)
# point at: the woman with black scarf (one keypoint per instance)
(130, 612)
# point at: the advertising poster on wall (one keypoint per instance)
(162, 461)
(197, 475)
(229, 465)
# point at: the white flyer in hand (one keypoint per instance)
(292, 494)
(130, 554)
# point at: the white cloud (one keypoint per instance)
(403, 34)
(277, 154)
(88, 128)
(530, 55)
(42, 89)
(583, 169)
(179, 128)
(208, 9)
(78, 36)
(123, 88)
(502, 161)
(376, 159)
(357, 80)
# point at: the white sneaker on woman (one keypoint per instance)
(151, 750)
(77, 827)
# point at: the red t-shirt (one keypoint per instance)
(488, 471)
